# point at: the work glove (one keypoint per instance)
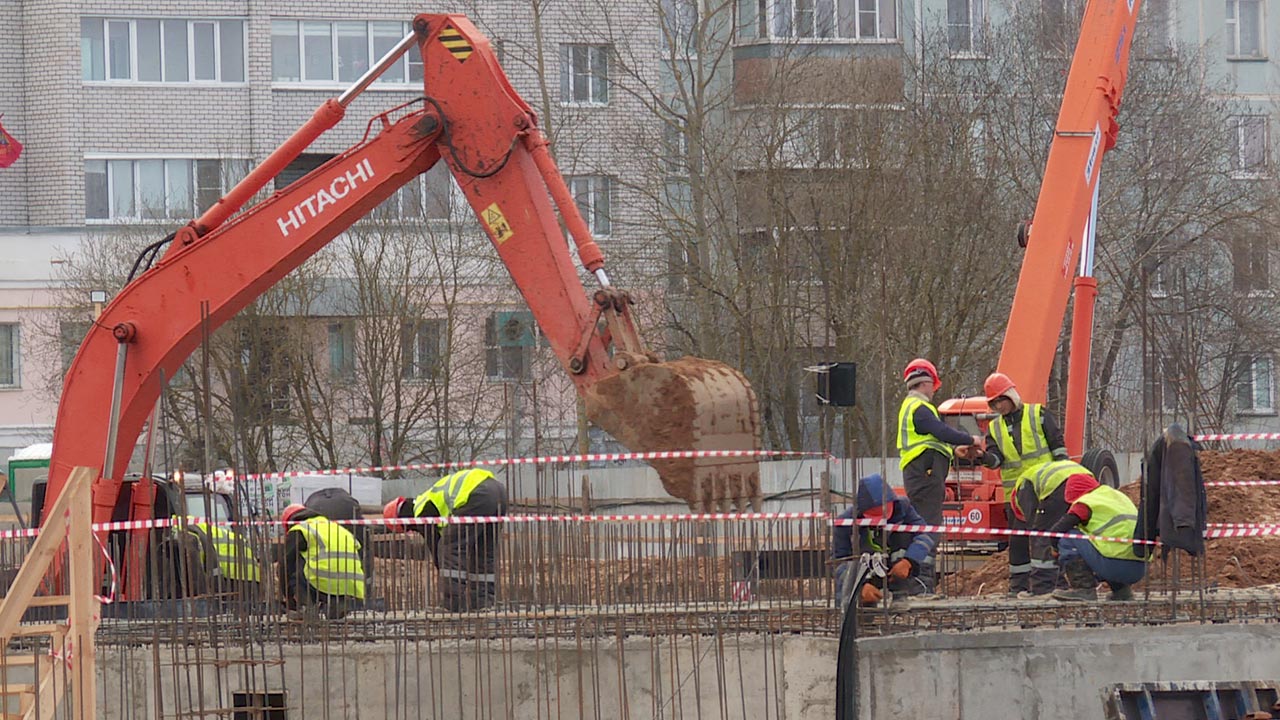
(966, 452)
(901, 569)
(871, 594)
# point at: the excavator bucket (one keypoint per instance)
(687, 404)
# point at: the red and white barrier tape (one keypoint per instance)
(544, 460)
(1241, 483)
(1237, 436)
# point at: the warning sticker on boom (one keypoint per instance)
(455, 43)
(497, 222)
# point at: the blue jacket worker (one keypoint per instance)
(910, 553)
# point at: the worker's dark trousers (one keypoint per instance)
(1019, 554)
(300, 594)
(1043, 515)
(924, 479)
(467, 555)
(1116, 571)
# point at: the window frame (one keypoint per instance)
(15, 356)
(1248, 377)
(496, 358)
(412, 71)
(342, 363)
(1231, 30)
(227, 180)
(189, 39)
(1238, 168)
(414, 367)
(598, 90)
(975, 30)
(591, 213)
(771, 21)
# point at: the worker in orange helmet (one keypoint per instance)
(321, 569)
(1022, 438)
(465, 554)
(925, 449)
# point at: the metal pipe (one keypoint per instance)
(364, 81)
(602, 277)
(117, 398)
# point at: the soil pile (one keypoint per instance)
(1231, 562)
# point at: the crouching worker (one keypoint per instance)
(910, 554)
(321, 570)
(1103, 512)
(226, 556)
(466, 555)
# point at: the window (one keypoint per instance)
(679, 27)
(1251, 265)
(675, 146)
(1243, 29)
(1059, 21)
(419, 349)
(301, 165)
(322, 51)
(162, 50)
(156, 188)
(506, 351)
(70, 336)
(678, 267)
(818, 19)
(966, 27)
(1153, 36)
(342, 349)
(9, 355)
(1249, 145)
(424, 198)
(1254, 387)
(584, 74)
(592, 193)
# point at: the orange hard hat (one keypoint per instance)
(391, 511)
(287, 514)
(998, 384)
(919, 368)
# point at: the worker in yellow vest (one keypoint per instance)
(1110, 518)
(224, 554)
(322, 570)
(1022, 437)
(1039, 502)
(925, 445)
(465, 554)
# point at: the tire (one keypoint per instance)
(1102, 464)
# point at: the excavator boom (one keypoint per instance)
(471, 118)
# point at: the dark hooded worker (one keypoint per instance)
(910, 554)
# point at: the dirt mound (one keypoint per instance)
(1230, 562)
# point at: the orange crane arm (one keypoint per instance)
(473, 119)
(1085, 131)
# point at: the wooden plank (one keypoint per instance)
(44, 549)
(37, 629)
(85, 609)
(49, 601)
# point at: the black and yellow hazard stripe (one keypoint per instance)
(455, 43)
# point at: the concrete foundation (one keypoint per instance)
(998, 674)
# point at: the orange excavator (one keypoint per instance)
(1059, 256)
(470, 118)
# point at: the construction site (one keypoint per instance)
(707, 565)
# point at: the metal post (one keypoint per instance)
(117, 398)
(364, 81)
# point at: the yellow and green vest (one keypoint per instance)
(450, 493)
(912, 443)
(331, 562)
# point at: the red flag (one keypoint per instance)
(10, 148)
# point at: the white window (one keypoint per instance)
(426, 197)
(1251, 265)
(156, 188)
(1249, 157)
(818, 19)
(966, 27)
(162, 50)
(1254, 393)
(420, 349)
(1153, 36)
(679, 28)
(506, 348)
(584, 74)
(592, 194)
(675, 146)
(323, 51)
(342, 349)
(1243, 29)
(9, 355)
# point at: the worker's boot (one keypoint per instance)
(1120, 592)
(1084, 586)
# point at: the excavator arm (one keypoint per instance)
(471, 118)
(1062, 226)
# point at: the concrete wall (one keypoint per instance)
(1041, 674)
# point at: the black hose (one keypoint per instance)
(847, 653)
(147, 257)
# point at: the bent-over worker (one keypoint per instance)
(1023, 437)
(1039, 502)
(466, 555)
(321, 568)
(225, 556)
(336, 503)
(1103, 512)
(910, 554)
